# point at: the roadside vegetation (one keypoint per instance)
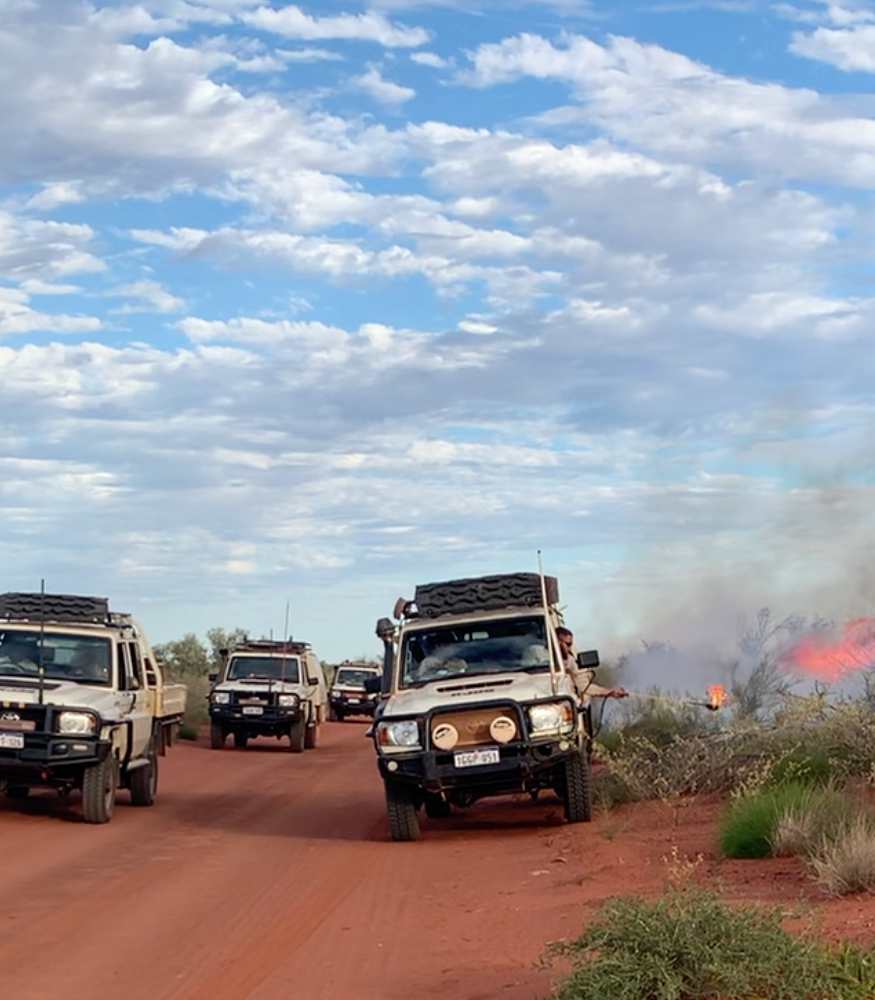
(690, 944)
(795, 773)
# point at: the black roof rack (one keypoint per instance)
(270, 646)
(53, 608)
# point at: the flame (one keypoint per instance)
(716, 696)
(831, 658)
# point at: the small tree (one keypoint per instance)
(220, 639)
(185, 657)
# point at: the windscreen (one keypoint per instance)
(474, 649)
(352, 677)
(271, 668)
(64, 656)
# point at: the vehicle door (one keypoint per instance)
(133, 682)
(316, 680)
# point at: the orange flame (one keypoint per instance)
(830, 658)
(716, 695)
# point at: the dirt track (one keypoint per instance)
(261, 874)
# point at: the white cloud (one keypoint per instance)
(385, 91)
(292, 22)
(429, 59)
(146, 296)
(851, 50)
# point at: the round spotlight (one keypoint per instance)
(444, 736)
(502, 729)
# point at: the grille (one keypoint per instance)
(254, 698)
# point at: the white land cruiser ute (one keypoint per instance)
(83, 704)
(476, 701)
(268, 688)
(348, 694)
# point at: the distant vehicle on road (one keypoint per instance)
(268, 688)
(348, 694)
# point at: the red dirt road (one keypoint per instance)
(263, 875)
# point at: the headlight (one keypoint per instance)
(404, 734)
(76, 723)
(288, 700)
(550, 717)
(221, 697)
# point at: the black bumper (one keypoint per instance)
(48, 757)
(363, 706)
(519, 764)
(271, 720)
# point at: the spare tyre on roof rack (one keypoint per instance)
(484, 593)
(53, 607)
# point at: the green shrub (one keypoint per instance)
(186, 732)
(748, 825)
(690, 945)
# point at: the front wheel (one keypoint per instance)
(576, 791)
(99, 784)
(311, 736)
(298, 736)
(401, 808)
(240, 740)
(217, 736)
(144, 783)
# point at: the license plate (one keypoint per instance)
(474, 758)
(11, 741)
(253, 710)
(353, 701)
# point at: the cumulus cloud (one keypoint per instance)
(590, 295)
(385, 91)
(292, 22)
(851, 49)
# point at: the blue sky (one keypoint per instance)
(309, 303)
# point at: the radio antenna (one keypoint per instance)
(551, 639)
(41, 666)
(285, 644)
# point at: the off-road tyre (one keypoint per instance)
(240, 740)
(143, 782)
(54, 607)
(401, 810)
(311, 737)
(437, 807)
(575, 787)
(217, 736)
(17, 791)
(99, 785)
(298, 736)
(484, 593)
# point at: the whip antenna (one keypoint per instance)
(551, 643)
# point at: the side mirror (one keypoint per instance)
(373, 685)
(313, 681)
(588, 659)
(212, 678)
